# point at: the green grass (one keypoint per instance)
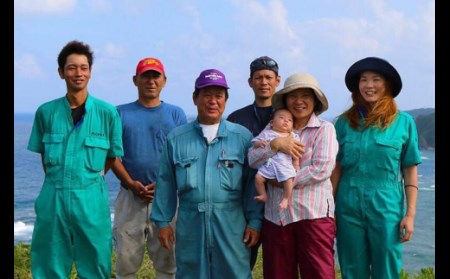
(22, 267)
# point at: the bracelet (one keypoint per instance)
(410, 185)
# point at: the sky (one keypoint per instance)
(323, 38)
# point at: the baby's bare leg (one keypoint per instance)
(260, 184)
(288, 185)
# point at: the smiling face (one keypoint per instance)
(210, 102)
(76, 73)
(300, 103)
(372, 86)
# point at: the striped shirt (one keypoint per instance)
(312, 196)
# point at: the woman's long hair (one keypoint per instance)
(361, 115)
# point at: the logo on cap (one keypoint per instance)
(148, 64)
(150, 61)
(211, 77)
(214, 76)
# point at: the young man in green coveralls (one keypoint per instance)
(78, 137)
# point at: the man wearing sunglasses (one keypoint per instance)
(264, 80)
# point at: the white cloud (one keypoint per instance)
(108, 57)
(113, 51)
(42, 7)
(28, 67)
(266, 25)
(389, 20)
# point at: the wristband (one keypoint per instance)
(410, 185)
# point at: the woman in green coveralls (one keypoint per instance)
(76, 135)
(376, 167)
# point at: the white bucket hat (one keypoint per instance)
(296, 81)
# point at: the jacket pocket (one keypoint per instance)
(186, 173)
(96, 151)
(231, 168)
(350, 151)
(54, 148)
(388, 153)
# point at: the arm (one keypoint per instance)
(108, 163)
(254, 211)
(407, 224)
(335, 177)
(165, 201)
(143, 192)
(320, 165)
(259, 156)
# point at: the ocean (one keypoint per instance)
(28, 177)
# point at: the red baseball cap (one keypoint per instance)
(148, 64)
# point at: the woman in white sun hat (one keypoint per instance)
(301, 238)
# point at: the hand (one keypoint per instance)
(145, 193)
(251, 237)
(166, 237)
(261, 143)
(406, 228)
(149, 193)
(288, 145)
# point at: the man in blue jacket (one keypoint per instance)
(204, 168)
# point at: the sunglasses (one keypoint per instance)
(264, 63)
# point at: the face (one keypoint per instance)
(372, 86)
(282, 121)
(264, 83)
(210, 103)
(149, 84)
(300, 103)
(76, 72)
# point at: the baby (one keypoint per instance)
(281, 166)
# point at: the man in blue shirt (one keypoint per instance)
(146, 123)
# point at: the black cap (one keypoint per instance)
(263, 63)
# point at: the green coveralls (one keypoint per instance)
(73, 222)
(370, 196)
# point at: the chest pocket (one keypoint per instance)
(349, 147)
(387, 155)
(231, 168)
(96, 151)
(53, 148)
(186, 173)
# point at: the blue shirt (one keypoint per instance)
(144, 133)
